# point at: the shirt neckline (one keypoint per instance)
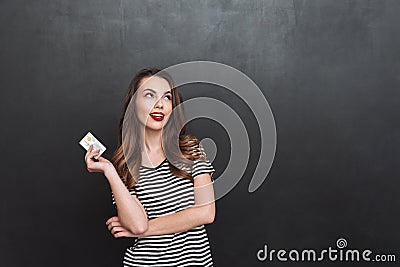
(156, 167)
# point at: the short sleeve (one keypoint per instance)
(132, 191)
(202, 165)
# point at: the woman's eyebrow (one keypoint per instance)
(148, 89)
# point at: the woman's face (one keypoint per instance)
(154, 102)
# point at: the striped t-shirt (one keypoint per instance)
(162, 193)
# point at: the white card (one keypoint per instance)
(89, 140)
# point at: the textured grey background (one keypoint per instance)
(329, 69)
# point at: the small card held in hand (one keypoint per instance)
(89, 140)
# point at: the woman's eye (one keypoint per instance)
(169, 97)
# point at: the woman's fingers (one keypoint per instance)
(115, 227)
(101, 159)
(112, 219)
(91, 152)
(88, 151)
(124, 234)
(94, 153)
(89, 155)
(111, 225)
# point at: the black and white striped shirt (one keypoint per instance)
(162, 193)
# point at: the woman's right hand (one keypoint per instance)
(96, 166)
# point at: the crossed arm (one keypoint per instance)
(132, 219)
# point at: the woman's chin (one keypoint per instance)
(153, 127)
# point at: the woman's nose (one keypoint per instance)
(160, 103)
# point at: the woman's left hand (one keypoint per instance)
(115, 227)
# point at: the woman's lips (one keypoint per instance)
(157, 116)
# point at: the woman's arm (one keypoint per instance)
(131, 213)
(203, 212)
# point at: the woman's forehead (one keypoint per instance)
(157, 84)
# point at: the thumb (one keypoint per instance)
(101, 159)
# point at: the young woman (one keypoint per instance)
(163, 197)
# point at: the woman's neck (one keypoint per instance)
(153, 142)
(153, 152)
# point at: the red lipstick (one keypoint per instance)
(158, 116)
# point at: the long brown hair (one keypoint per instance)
(127, 164)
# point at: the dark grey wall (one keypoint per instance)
(329, 69)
